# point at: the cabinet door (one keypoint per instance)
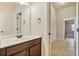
(35, 50)
(15, 49)
(20, 53)
(2, 52)
(23, 53)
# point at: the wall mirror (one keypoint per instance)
(14, 19)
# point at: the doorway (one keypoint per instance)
(70, 34)
(69, 29)
(62, 29)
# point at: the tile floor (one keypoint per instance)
(63, 47)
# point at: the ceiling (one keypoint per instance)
(59, 5)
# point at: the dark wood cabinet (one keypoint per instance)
(35, 50)
(22, 53)
(15, 49)
(29, 48)
(2, 52)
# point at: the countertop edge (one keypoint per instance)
(22, 41)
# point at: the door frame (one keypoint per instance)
(76, 26)
(75, 32)
(77, 7)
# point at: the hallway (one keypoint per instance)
(63, 47)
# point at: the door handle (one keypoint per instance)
(49, 33)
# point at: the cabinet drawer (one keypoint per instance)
(16, 48)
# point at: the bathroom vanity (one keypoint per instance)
(17, 37)
(25, 48)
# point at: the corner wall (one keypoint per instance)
(53, 23)
(40, 10)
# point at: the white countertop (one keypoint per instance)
(8, 41)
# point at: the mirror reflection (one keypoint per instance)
(14, 19)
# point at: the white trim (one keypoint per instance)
(69, 19)
(76, 28)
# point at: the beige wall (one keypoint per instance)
(8, 10)
(36, 13)
(64, 13)
(40, 10)
(26, 18)
(53, 23)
